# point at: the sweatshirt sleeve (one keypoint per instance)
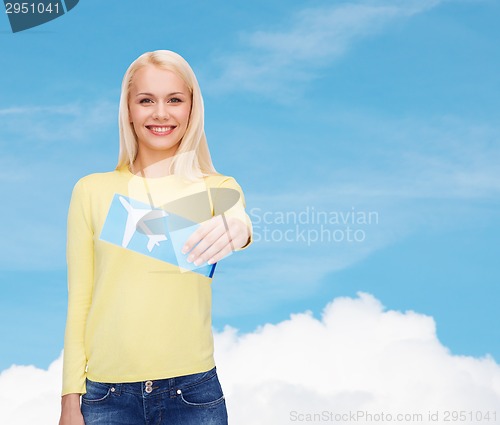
(237, 209)
(80, 260)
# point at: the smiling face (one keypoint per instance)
(159, 107)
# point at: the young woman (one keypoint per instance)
(143, 241)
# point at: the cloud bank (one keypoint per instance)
(357, 359)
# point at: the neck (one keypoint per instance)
(152, 167)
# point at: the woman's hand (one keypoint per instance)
(71, 413)
(215, 239)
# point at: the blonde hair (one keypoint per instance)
(192, 159)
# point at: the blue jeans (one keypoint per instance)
(185, 400)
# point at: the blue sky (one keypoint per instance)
(382, 106)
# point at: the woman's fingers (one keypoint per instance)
(216, 251)
(203, 237)
(215, 239)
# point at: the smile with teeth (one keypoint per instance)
(160, 130)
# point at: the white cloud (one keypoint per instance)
(311, 39)
(357, 357)
(29, 395)
(411, 158)
(23, 111)
(70, 123)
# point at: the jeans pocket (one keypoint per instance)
(207, 393)
(96, 392)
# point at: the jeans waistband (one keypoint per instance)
(161, 386)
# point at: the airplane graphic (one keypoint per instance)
(136, 220)
(129, 221)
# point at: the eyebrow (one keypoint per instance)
(152, 95)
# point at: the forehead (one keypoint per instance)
(152, 79)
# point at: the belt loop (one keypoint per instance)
(171, 387)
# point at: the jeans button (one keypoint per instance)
(148, 389)
(149, 383)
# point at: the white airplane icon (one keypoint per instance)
(137, 218)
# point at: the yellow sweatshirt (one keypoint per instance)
(136, 309)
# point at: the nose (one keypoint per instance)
(160, 113)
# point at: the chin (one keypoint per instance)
(162, 147)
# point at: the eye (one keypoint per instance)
(146, 100)
(175, 100)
